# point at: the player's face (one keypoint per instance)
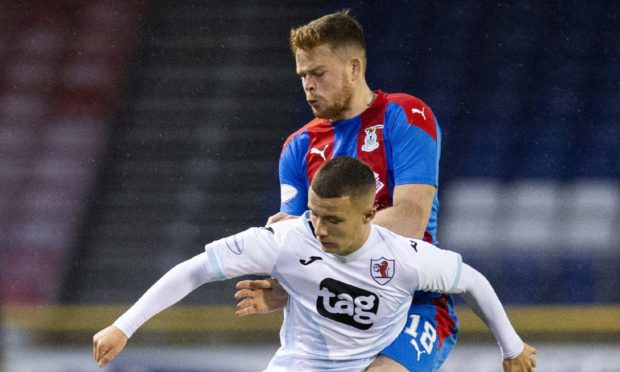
(340, 224)
(326, 82)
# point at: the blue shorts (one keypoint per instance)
(428, 337)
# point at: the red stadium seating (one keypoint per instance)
(63, 63)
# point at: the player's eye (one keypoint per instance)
(333, 220)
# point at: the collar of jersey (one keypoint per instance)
(308, 223)
(378, 102)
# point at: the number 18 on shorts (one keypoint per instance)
(427, 339)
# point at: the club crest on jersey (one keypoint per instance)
(382, 270)
(370, 141)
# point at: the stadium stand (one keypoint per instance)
(530, 173)
(64, 64)
(194, 155)
(530, 170)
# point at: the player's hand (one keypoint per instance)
(259, 296)
(526, 361)
(280, 216)
(107, 343)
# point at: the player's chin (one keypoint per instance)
(329, 247)
(317, 113)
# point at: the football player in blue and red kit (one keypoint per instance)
(398, 137)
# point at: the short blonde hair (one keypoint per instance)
(339, 30)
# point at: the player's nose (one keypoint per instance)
(319, 229)
(308, 85)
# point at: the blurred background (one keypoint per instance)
(134, 132)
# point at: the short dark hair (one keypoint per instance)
(343, 176)
(338, 29)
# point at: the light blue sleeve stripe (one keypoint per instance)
(214, 264)
(457, 278)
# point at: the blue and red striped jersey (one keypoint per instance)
(397, 136)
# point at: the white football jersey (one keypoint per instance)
(342, 310)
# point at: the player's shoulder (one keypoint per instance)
(406, 100)
(301, 133)
(392, 239)
(402, 243)
(417, 112)
(283, 228)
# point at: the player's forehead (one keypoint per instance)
(339, 206)
(320, 56)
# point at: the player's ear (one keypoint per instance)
(356, 68)
(369, 214)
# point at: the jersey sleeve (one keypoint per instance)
(415, 140)
(253, 251)
(438, 270)
(293, 182)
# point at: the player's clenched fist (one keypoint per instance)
(526, 361)
(107, 343)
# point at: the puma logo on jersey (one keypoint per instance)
(421, 112)
(310, 260)
(417, 348)
(314, 150)
(347, 304)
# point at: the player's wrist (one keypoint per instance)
(123, 328)
(513, 353)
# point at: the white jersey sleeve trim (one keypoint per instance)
(287, 193)
(214, 264)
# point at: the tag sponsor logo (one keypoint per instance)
(347, 304)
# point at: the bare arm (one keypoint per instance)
(408, 216)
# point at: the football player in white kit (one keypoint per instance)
(350, 282)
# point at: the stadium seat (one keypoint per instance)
(471, 211)
(590, 215)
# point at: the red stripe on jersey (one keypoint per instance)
(371, 148)
(321, 147)
(445, 323)
(428, 237)
(418, 113)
